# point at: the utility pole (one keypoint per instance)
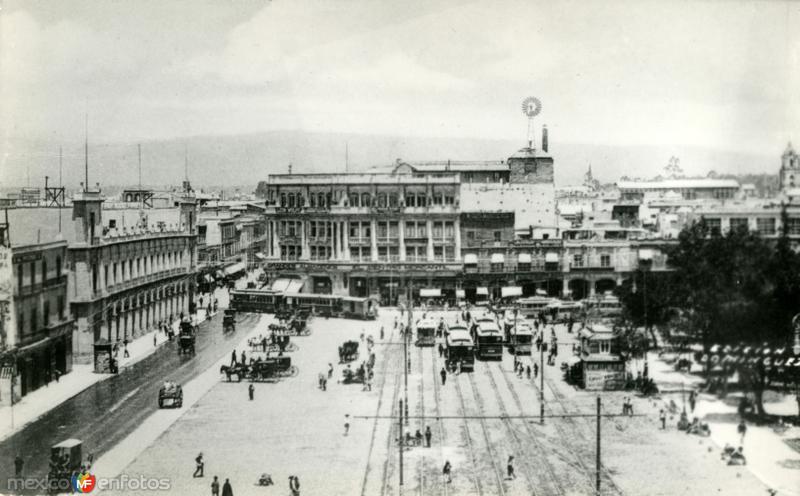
(400, 440)
(406, 337)
(597, 461)
(541, 378)
(86, 152)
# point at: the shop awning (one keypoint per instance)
(524, 258)
(541, 292)
(551, 257)
(295, 285)
(482, 291)
(470, 259)
(280, 285)
(645, 254)
(498, 258)
(261, 256)
(510, 291)
(237, 267)
(430, 293)
(460, 293)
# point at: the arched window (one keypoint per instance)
(283, 200)
(313, 201)
(354, 199)
(291, 200)
(365, 200)
(321, 200)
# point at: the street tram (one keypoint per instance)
(568, 309)
(359, 308)
(607, 306)
(426, 332)
(256, 301)
(488, 339)
(531, 307)
(270, 301)
(460, 348)
(321, 304)
(520, 338)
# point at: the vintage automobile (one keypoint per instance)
(186, 338)
(170, 394)
(272, 368)
(65, 461)
(229, 320)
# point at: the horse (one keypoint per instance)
(236, 370)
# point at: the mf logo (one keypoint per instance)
(84, 483)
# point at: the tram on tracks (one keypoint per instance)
(460, 348)
(426, 332)
(531, 307)
(520, 339)
(269, 301)
(488, 339)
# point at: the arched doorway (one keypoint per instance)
(528, 287)
(554, 287)
(603, 285)
(579, 288)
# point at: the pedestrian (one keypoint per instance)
(446, 471)
(443, 373)
(19, 463)
(516, 364)
(458, 367)
(57, 374)
(528, 371)
(330, 370)
(691, 400)
(294, 485)
(535, 370)
(409, 364)
(233, 358)
(510, 468)
(155, 343)
(244, 358)
(346, 424)
(198, 471)
(520, 371)
(742, 430)
(441, 350)
(251, 391)
(663, 417)
(215, 486)
(227, 490)
(324, 384)
(362, 335)
(126, 354)
(428, 435)
(382, 332)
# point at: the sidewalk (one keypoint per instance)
(39, 402)
(769, 458)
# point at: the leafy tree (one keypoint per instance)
(646, 298)
(261, 190)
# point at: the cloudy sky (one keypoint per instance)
(718, 74)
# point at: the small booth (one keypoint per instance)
(104, 361)
(602, 367)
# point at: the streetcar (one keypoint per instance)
(426, 332)
(460, 348)
(488, 340)
(531, 307)
(271, 301)
(256, 301)
(519, 339)
(319, 304)
(566, 310)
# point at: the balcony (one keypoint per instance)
(388, 241)
(138, 281)
(360, 241)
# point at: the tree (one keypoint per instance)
(261, 190)
(646, 298)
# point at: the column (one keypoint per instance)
(565, 287)
(341, 240)
(457, 233)
(373, 231)
(304, 251)
(429, 225)
(402, 231)
(334, 240)
(346, 243)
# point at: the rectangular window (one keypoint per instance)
(471, 235)
(46, 315)
(313, 232)
(394, 230)
(765, 226)
(577, 260)
(793, 227)
(449, 253)
(738, 224)
(33, 273)
(34, 320)
(524, 267)
(383, 254)
(497, 235)
(605, 260)
(20, 270)
(437, 230)
(438, 253)
(61, 307)
(714, 226)
(449, 230)
(449, 200)
(605, 346)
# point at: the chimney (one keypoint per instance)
(544, 138)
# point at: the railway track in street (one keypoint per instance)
(555, 486)
(439, 427)
(498, 475)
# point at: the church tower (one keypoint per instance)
(790, 169)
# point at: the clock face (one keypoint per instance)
(531, 106)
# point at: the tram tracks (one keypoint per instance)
(439, 427)
(540, 460)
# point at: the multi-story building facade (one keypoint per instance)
(36, 326)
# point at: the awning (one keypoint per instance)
(470, 259)
(460, 293)
(497, 258)
(295, 285)
(430, 293)
(482, 291)
(524, 258)
(551, 257)
(645, 254)
(541, 292)
(280, 285)
(261, 256)
(237, 267)
(511, 291)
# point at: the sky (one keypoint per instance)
(720, 74)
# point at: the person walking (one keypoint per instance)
(19, 463)
(428, 436)
(227, 490)
(441, 350)
(382, 332)
(446, 471)
(692, 400)
(510, 468)
(294, 485)
(215, 486)
(244, 358)
(528, 371)
(155, 342)
(443, 373)
(330, 370)
(251, 391)
(125, 354)
(233, 358)
(346, 424)
(198, 471)
(742, 430)
(535, 370)
(663, 417)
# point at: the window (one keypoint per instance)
(411, 201)
(793, 227)
(46, 315)
(605, 260)
(438, 253)
(21, 323)
(291, 201)
(421, 201)
(524, 267)
(61, 307)
(449, 230)
(605, 346)
(577, 260)
(765, 226)
(449, 200)
(471, 235)
(19, 277)
(437, 230)
(44, 269)
(714, 226)
(738, 224)
(33, 273)
(449, 253)
(497, 235)
(94, 277)
(105, 275)
(34, 320)
(382, 230)
(313, 228)
(365, 200)
(58, 266)
(383, 255)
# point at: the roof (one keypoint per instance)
(450, 166)
(459, 335)
(528, 152)
(698, 183)
(427, 323)
(383, 178)
(32, 226)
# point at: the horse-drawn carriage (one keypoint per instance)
(276, 342)
(357, 376)
(348, 351)
(241, 371)
(186, 338)
(170, 393)
(272, 368)
(229, 320)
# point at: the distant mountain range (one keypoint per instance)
(242, 160)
